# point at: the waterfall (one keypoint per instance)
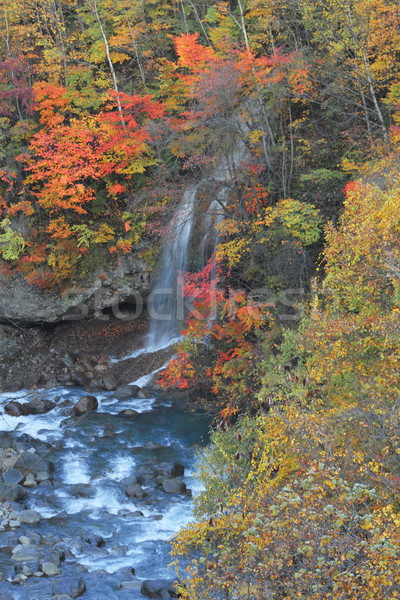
(166, 299)
(192, 241)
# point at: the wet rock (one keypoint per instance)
(12, 492)
(159, 588)
(24, 569)
(144, 394)
(110, 382)
(29, 462)
(82, 490)
(15, 409)
(26, 554)
(125, 512)
(95, 540)
(13, 476)
(129, 412)
(85, 404)
(130, 585)
(39, 406)
(135, 491)
(174, 486)
(18, 579)
(30, 481)
(50, 569)
(69, 587)
(170, 469)
(29, 517)
(126, 391)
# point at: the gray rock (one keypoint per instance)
(15, 409)
(30, 462)
(40, 406)
(26, 554)
(29, 517)
(69, 587)
(82, 490)
(49, 569)
(85, 404)
(129, 412)
(126, 391)
(30, 481)
(174, 485)
(135, 491)
(159, 588)
(12, 492)
(13, 476)
(111, 284)
(170, 469)
(130, 585)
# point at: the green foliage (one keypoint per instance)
(12, 244)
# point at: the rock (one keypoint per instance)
(40, 406)
(61, 597)
(29, 517)
(70, 588)
(125, 512)
(26, 554)
(12, 492)
(174, 486)
(82, 490)
(13, 476)
(109, 382)
(126, 391)
(30, 481)
(42, 476)
(19, 579)
(15, 409)
(24, 569)
(95, 540)
(170, 469)
(85, 404)
(50, 569)
(24, 540)
(130, 585)
(129, 412)
(135, 491)
(159, 588)
(144, 394)
(29, 462)
(21, 302)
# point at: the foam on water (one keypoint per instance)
(121, 466)
(75, 468)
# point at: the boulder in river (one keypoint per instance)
(69, 587)
(174, 485)
(12, 492)
(126, 391)
(29, 517)
(13, 476)
(159, 588)
(170, 469)
(30, 462)
(85, 404)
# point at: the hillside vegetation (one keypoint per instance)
(107, 110)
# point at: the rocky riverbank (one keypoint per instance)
(71, 353)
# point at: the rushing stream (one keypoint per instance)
(91, 457)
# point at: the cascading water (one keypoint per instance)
(166, 305)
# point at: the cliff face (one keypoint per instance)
(22, 303)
